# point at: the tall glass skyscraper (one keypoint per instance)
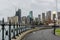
(39, 18)
(31, 16)
(18, 13)
(43, 17)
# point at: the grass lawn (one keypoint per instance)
(57, 31)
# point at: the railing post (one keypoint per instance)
(25, 27)
(17, 30)
(9, 30)
(3, 29)
(14, 31)
(21, 29)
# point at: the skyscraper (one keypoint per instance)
(48, 15)
(39, 18)
(31, 16)
(28, 19)
(58, 14)
(24, 20)
(18, 13)
(43, 17)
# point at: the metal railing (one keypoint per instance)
(12, 32)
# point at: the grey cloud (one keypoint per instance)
(8, 7)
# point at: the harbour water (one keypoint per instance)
(6, 37)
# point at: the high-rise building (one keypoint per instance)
(28, 19)
(48, 17)
(54, 16)
(24, 20)
(39, 18)
(36, 22)
(18, 13)
(31, 17)
(36, 19)
(31, 14)
(58, 14)
(43, 17)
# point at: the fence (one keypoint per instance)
(13, 30)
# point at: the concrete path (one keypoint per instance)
(46, 34)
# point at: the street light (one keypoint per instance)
(54, 19)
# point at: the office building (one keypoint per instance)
(24, 20)
(58, 14)
(43, 17)
(31, 16)
(28, 19)
(48, 17)
(18, 13)
(39, 18)
(14, 19)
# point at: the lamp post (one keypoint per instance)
(54, 16)
(54, 19)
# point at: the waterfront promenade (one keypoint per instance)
(46, 34)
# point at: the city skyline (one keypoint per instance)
(29, 19)
(9, 7)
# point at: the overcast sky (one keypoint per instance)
(9, 7)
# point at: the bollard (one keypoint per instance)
(14, 31)
(9, 30)
(17, 30)
(3, 29)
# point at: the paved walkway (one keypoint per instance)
(42, 35)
